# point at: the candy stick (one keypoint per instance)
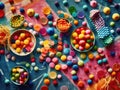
(39, 84)
(37, 78)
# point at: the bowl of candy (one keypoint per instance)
(16, 21)
(22, 42)
(63, 25)
(82, 39)
(19, 75)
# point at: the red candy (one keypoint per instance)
(2, 52)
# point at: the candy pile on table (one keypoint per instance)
(81, 44)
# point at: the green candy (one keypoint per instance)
(17, 75)
(55, 36)
(13, 78)
(58, 54)
(95, 48)
(36, 68)
(27, 65)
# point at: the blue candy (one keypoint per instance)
(22, 10)
(105, 60)
(75, 78)
(50, 31)
(69, 63)
(2, 6)
(50, 17)
(100, 62)
(112, 53)
(89, 81)
(75, 67)
(66, 51)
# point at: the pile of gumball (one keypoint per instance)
(22, 42)
(82, 39)
(19, 75)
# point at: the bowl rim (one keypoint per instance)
(16, 82)
(23, 30)
(84, 51)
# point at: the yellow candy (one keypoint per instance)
(30, 12)
(26, 41)
(87, 46)
(66, 15)
(76, 22)
(18, 69)
(74, 35)
(80, 63)
(63, 58)
(73, 72)
(83, 32)
(83, 56)
(22, 35)
(91, 76)
(57, 67)
(77, 46)
(106, 10)
(81, 36)
(18, 50)
(115, 16)
(17, 42)
(14, 70)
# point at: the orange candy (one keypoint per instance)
(80, 84)
(14, 46)
(87, 46)
(59, 47)
(90, 56)
(46, 81)
(37, 27)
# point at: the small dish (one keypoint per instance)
(82, 39)
(22, 42)
(19, 75)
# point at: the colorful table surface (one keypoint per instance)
(109, 81)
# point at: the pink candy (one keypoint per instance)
(88, 31)
(51, 65)
(55, 60)
(31, 44)
(93, 3)
(81, 48)
(82, 42)
(64, 66)
(69, 58)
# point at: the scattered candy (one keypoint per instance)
(30, 12)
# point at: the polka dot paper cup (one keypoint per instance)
(22, 42)
(82, 39)
(19, 75)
